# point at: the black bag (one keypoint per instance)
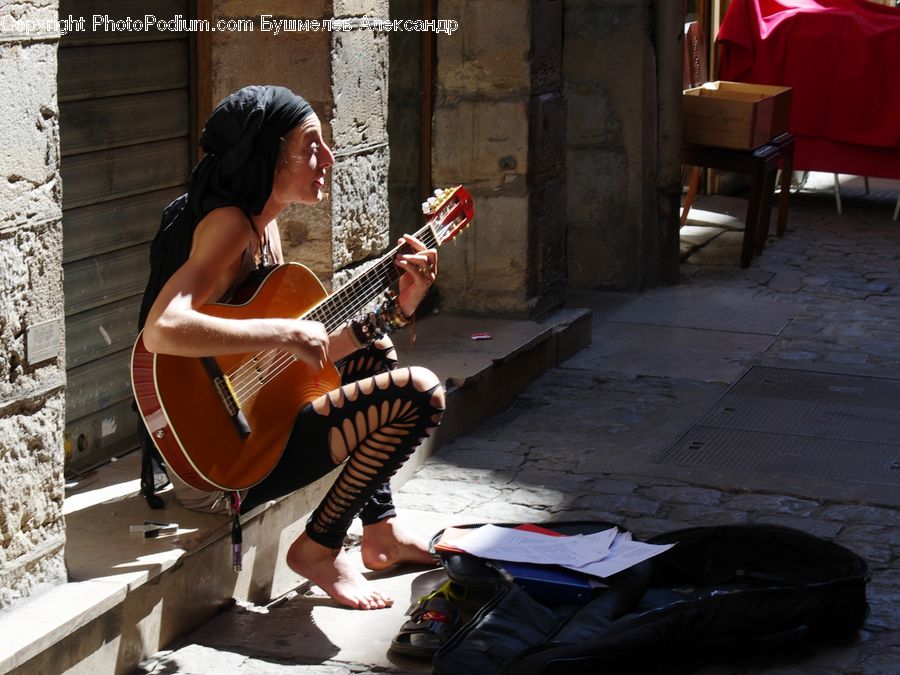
(718, 591)
(169, 250)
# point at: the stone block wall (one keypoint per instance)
(32, 356)
(621, 224)
(343, 74)
(499, 128)
(359, 67)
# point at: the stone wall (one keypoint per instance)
(406, 189)
(359, 72)
(499, 128)
(621, 224)
(344, 77)
(32, 531)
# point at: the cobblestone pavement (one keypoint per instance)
(583, 440)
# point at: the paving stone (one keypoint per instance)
(798, 356)
(874, 552)
(435, 470)
(645, 528)
(537, 497)
(447, 496)
(772, 504)
(787, 281)
(881, 664)
(567, 514)
(565, 468)
(482, 458)
(622, 504)
(611, 486)
(700, 514)
(683, 495)
(885, 611)
(551, 476)
(504, 512)
(847, 357)
(862, 514)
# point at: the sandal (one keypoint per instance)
(433, 620)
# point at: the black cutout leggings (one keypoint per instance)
(379, 427)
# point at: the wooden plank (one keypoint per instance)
(99, 332)
(119, 9)
(109, 226)
(118, 69)
(91, 440)
(202, 77)
(101, 176)
(106, 278)
(104, 123)
(98, 384)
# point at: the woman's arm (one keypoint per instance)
(175, 326)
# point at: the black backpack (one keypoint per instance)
(718, 591)
(168, 251)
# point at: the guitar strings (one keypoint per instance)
(249, 377)
(250, 372)
(254, 386)
(275, 361)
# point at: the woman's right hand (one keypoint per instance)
(307, 341)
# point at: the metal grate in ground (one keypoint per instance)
(784, 422)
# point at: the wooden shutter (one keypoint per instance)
(125, 130)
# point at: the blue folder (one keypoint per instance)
(551, 584)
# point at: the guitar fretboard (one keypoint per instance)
(347, 301)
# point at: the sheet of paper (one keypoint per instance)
(623, 553)
(504, 543)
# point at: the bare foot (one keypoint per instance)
(386, 543)
(334, 573)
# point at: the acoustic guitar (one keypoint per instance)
(222, 422)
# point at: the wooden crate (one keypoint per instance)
(735, 114)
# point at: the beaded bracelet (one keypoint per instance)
(385, 318)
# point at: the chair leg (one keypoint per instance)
(787, 169)
(837, 195)
(765, 205)
(757, 186)
(897, 209)
(693, 188)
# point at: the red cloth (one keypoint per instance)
(842, 59)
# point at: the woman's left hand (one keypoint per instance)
(420, 271)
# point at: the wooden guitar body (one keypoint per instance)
(185, 413)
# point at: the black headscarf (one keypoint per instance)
(241, 140)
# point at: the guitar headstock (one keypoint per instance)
(450, 211)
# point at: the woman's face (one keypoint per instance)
(300, 170)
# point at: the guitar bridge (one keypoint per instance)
(227, 396)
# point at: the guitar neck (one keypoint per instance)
(347, 301)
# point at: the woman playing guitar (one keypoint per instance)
(264, 150)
